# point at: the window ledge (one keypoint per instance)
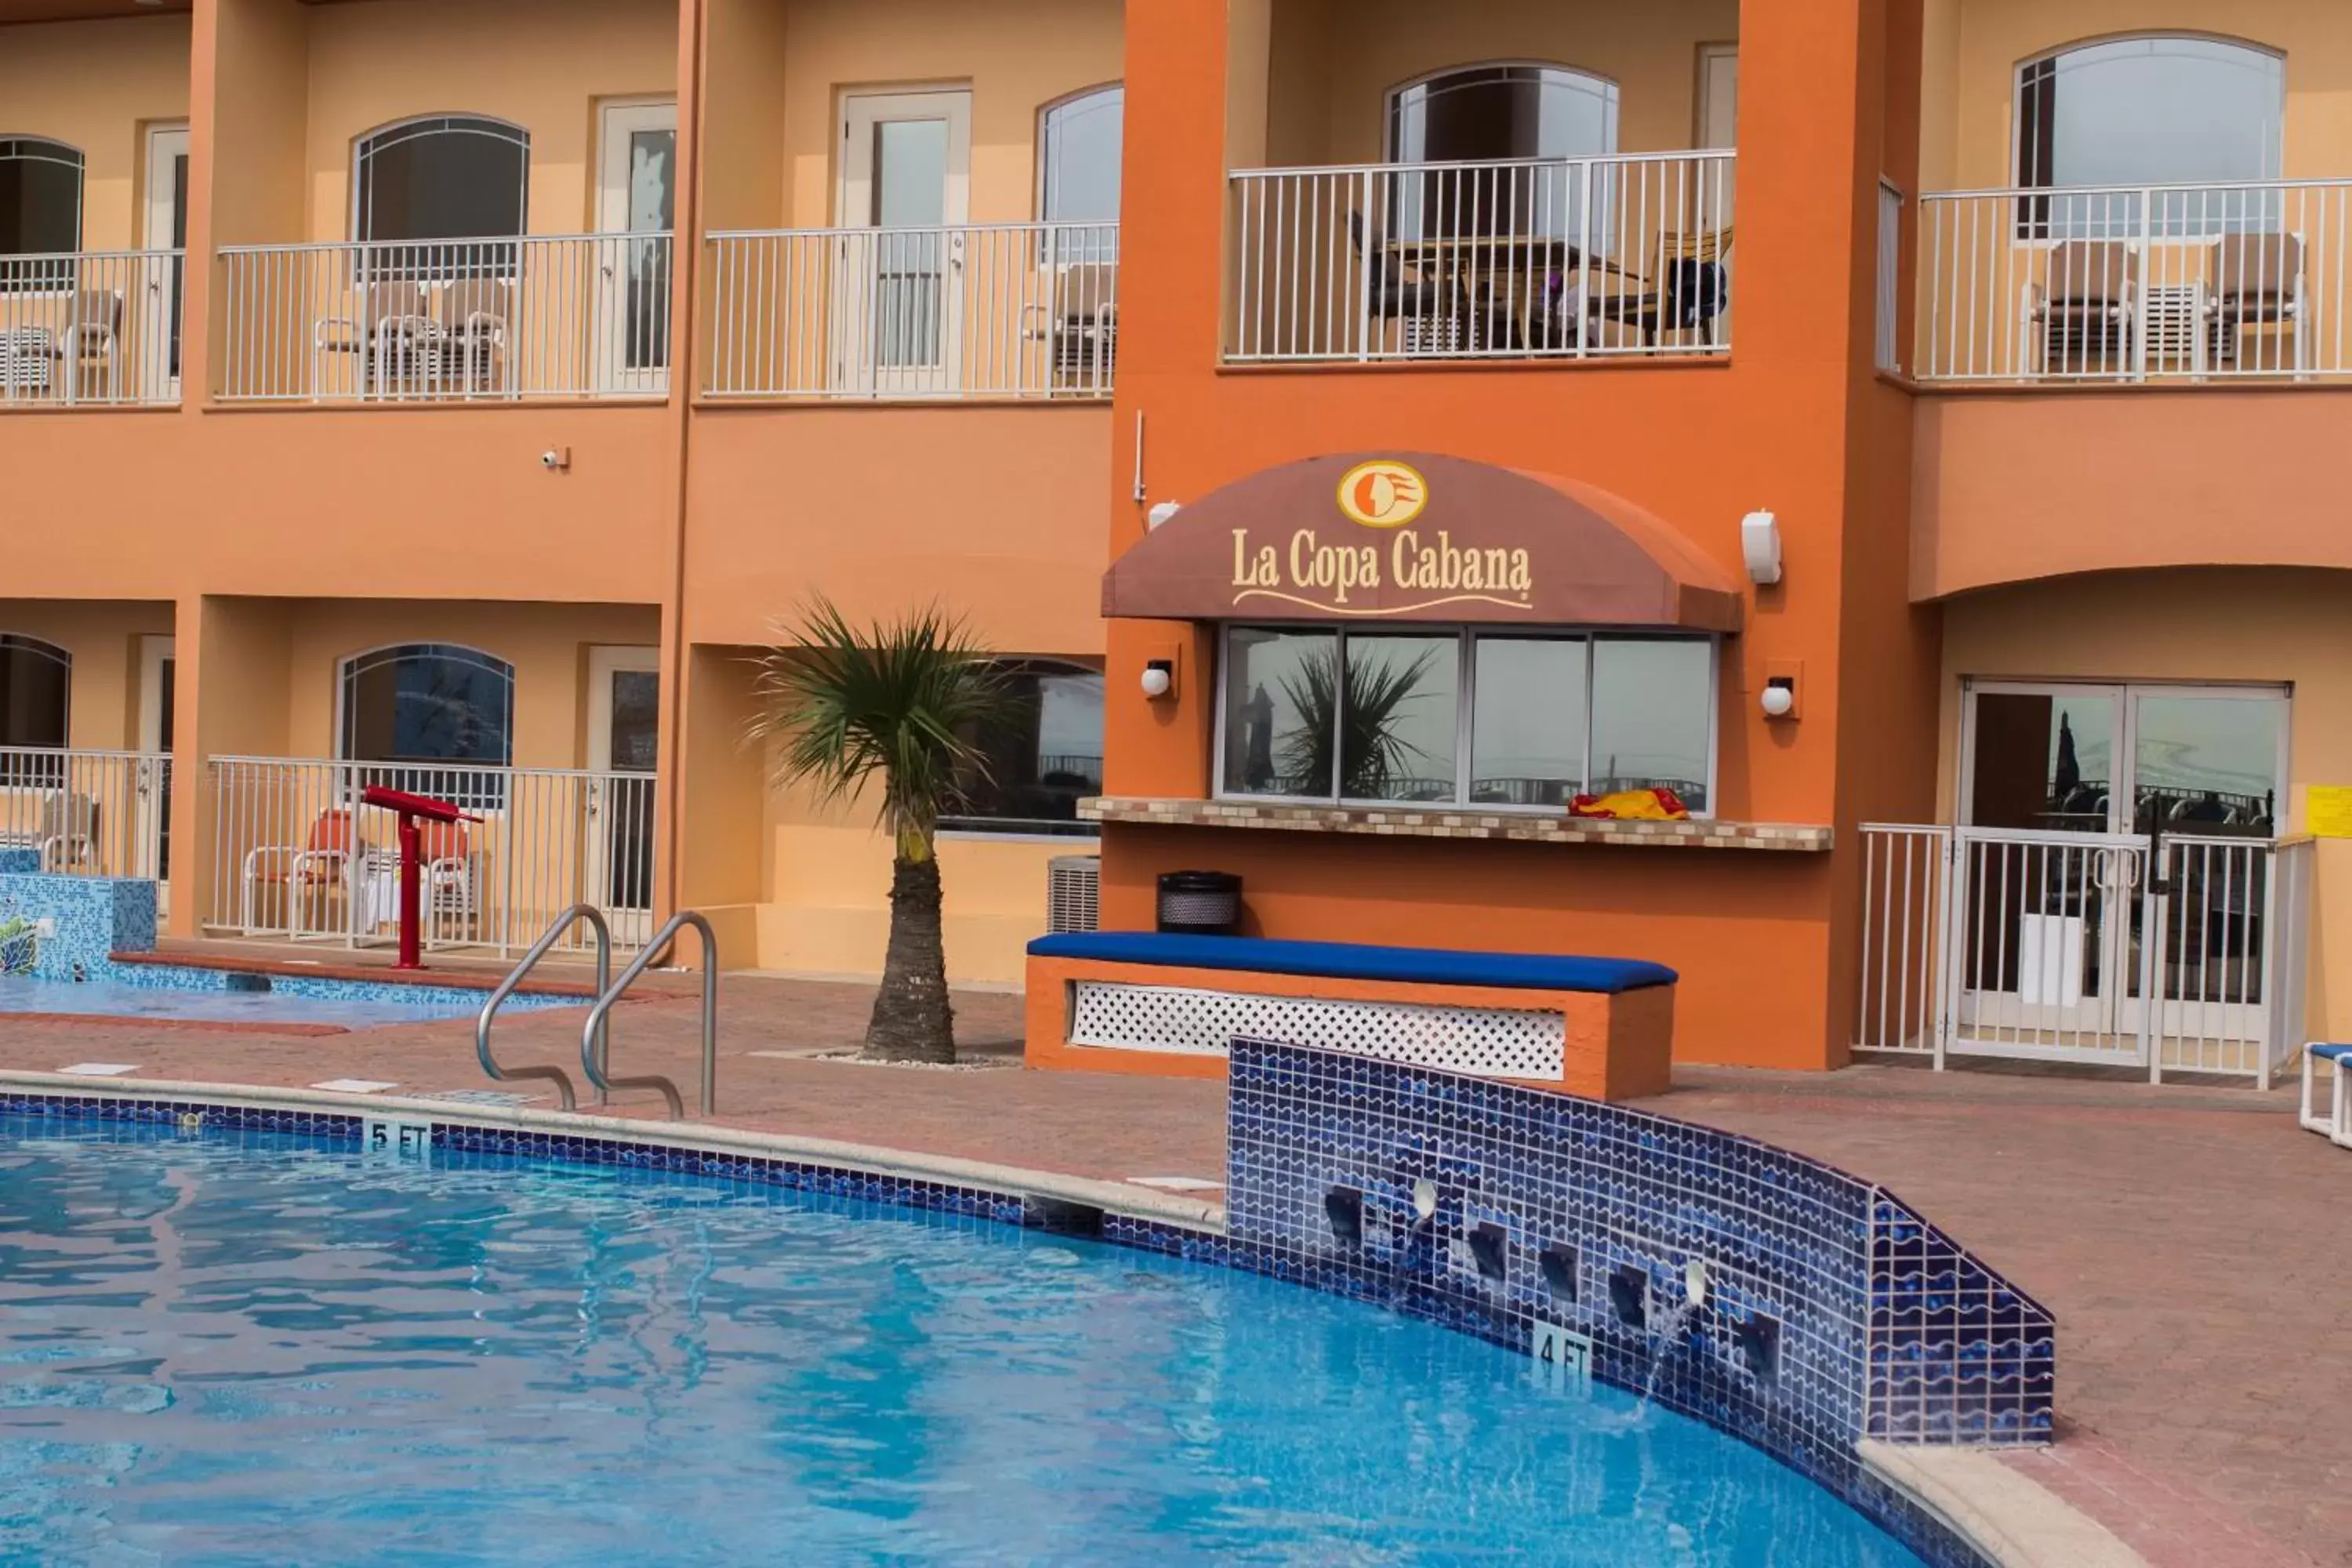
(1422, 823)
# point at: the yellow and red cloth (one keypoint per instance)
(1632, 806)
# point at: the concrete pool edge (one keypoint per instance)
(2005, 1517)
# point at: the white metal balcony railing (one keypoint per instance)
(571, 316)
(84, 813)
(2190, 953)
(994, 310)
(2148, 283)
(1580, 257)
(90, 329)
(297, 853)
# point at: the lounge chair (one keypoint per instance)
(1081, 326)
(2254, 281)
(323, 862)
(451, 881)
(92, 342)
(2335, 1127)
(469, 335)
(1693, 289)
(2086, 309)
(385, 334)
(68, 836)
(1429, 311)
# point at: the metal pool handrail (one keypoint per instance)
(595, 1038)
(529, 961)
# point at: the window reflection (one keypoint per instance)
(1274, 744)
(1526, 727)
(1652, 716)
(1044, 757)
(1397, 723)
(2208, 765)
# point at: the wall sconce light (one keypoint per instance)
(1779, 698)
(1760, 546)
(1159, 678)
(556, 460)
(1161, 512)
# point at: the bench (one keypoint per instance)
(1148, 1002)
(2337, 1126)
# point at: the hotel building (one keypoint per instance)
(1898, 429)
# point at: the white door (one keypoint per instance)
(157, 670)
(2113, 871)
(167, 229)
(637, 202)
(1719, 116)
(905, 182)
(624, 740)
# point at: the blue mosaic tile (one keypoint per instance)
(89, 918)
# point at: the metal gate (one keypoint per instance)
(2187, 956)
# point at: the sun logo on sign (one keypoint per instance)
(1383, 493)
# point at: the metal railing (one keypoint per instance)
(1887, 349)
(596, 1034)
(2183, 952)
(1621, 256)
(2141, 283)
(558, 931)
(997, 311)
(84, 813)
(568, 316)
(95, 329)
(297, 853)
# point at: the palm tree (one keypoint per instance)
(1360, 709)
(895, 704)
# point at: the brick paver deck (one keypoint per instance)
(2195, 1244)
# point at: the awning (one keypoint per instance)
(1418, 536)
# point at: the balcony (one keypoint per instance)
(1014, 311)
(582, 317)
(2134, 284)
(91, 329)
(1606, 258)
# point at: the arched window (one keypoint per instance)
(2149, 110)
(427, 703)
(1491, 114)
(443, 177)
(36, 692)
(1079, 146)
(1044, 759)
(1482, 113)
(40, 211)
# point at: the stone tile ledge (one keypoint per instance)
(1112, 1197)
(1407, 821)
(2009, 1517)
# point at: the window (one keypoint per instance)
(2152, 110)
(36, 683)
(442, 178)
(1043, 762)
(1079, 148)
(428, 703)
(1453, 717)
(1483, 114)
(40, 211)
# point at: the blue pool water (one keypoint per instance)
(219, 1350)
(320, 1001)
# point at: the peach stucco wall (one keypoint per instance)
(103, 638)
(1969, 82)
(96, 86)
(2287, 627)
(994, 511)
(2011, 487)
(1332, 63)
(542, 63)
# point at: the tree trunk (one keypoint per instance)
(912, 1020)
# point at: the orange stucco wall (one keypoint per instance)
(1787, 425)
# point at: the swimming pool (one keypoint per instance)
(219, 996)
(224, 1347)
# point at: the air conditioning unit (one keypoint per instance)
(1074, 892)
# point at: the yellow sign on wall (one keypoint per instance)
(2327, 811)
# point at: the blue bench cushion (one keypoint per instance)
(2335, 1053)
(1356, 961)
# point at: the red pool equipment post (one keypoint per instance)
(411, 809)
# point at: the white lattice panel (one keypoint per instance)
(1488, 1042)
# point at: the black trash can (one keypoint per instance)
(1201, 903)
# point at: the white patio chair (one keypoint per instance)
(2337, 1126)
